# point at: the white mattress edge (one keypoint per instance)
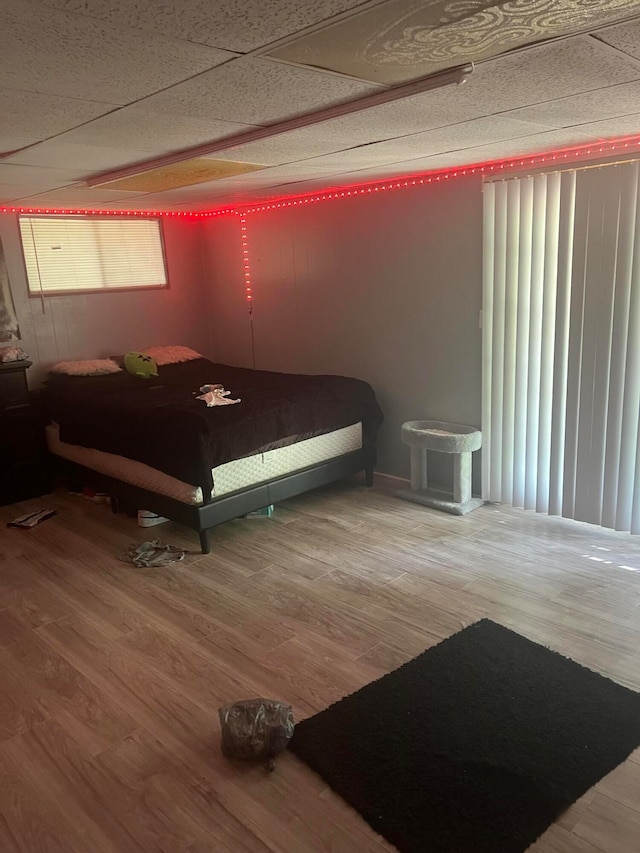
(228, 477)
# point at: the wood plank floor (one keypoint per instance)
(111, 676)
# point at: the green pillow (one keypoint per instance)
(140, 365)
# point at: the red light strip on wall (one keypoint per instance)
(625, 145)
(82, 211)
(246, 265)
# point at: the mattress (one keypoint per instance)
(228, 477)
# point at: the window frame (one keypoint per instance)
(42, 293)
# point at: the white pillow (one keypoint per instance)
(91, 367)
(170, 355)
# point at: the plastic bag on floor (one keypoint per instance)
(153, 553)
(256, 729)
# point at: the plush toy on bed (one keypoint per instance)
(215, 395)
(140, 365)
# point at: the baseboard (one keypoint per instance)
(390, 480)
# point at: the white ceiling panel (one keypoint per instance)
(14, 143)
(39, 116)
(48, 51)
(238, 25)
(532, 76)
(550, 141)
(304, 167)
(622, 126)
(136, 126)
(287, 188)
(340, 134)
(76, 197)
(160, 201)
(609, 102)
(144, 201)
(625, 37)
(38, 176)
(287, 147)
(255, 91)
(12, 192)
(66, 155)
(437, 108)
(453, 138)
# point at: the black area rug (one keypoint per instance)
(475, 746)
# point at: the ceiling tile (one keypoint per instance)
(452, 138)
(175, 197)
(611, 127)
(256, 91)
(14, 143)
(38, 116)
(140, 201)
(551, 140)
(286, 147)
(48, 51)
(532, 76)
(625, 37)
(339, 134)
(538, 143)
(88, 158)
(406, 39)
(250, 182)
(283, 188)
(186, 173)
(137, 126)
(408, 115)
(238, 25)
(305, 167)
(12, 192)
(600, 104)
(40, 178)
(76, 196)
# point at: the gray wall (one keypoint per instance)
(92, 325)
(386, 288)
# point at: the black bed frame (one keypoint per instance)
(202, 518)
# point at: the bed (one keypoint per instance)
(153, 445)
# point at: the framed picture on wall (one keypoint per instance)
(9, 329)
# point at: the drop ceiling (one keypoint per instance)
(94, 86)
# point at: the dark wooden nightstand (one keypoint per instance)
(23, 464)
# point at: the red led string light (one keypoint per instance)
(623, 145)
(77, 211)
(246, 266)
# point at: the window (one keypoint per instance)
(71, 254)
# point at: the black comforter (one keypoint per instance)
(159, 421)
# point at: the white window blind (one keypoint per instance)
(67, 254)
(561, 364)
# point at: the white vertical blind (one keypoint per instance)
(488, 281)
(561, 373)
(561, 346)
(522, 340)
(66, 254)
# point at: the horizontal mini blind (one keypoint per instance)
(73, 254)
(561, 364)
